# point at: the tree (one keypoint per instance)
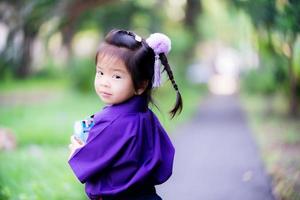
(73, 10)
(272, 16)
(25, 19)
(193, 9)
(24, 23)
(287, 22)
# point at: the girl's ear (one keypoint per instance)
(142, 88)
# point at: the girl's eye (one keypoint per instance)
(99, 73)
(117, 76)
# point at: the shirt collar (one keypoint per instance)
(135, 104)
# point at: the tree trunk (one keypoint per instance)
(270, 44)
(73, 12)
(24, 64)
(293, 103)
(192, 11)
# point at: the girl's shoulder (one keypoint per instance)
(134, 119)
(129, 119)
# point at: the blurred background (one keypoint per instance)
(225, 47)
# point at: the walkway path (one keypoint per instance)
(216, 157)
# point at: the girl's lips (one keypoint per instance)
(105, 94)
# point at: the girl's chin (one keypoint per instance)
(105, 100)
(109, 101)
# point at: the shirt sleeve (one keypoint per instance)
(106, 147)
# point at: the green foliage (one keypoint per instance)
(282, 18)
(262, 12)
(50, 70)
(5, 71)
(124, 15)
(288, 17)
(181, 44)
(23, 20)
(81, 74)
(259, 81)
(115, 15)
(165, 98)
(270, 77)
(296, 63)
(35, 12)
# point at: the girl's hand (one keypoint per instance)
(75, 144)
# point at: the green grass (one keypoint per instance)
(16, 85)
(38, 168)
(278, 137)
(48, 122)
(38, 172)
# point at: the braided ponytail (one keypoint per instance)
(161, 45)
(178, 104)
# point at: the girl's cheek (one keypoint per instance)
(97, 81)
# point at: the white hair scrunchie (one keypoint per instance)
(160, 43)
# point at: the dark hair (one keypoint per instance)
(139, 59)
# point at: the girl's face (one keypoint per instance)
(113, 83)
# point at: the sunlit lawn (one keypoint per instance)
(38, 168)
(37, 172)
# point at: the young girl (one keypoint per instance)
(127, 151)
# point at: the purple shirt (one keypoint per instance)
(126, 146)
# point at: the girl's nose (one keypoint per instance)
(104, 81)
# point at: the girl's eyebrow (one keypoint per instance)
(117, 69)
(113, 69)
